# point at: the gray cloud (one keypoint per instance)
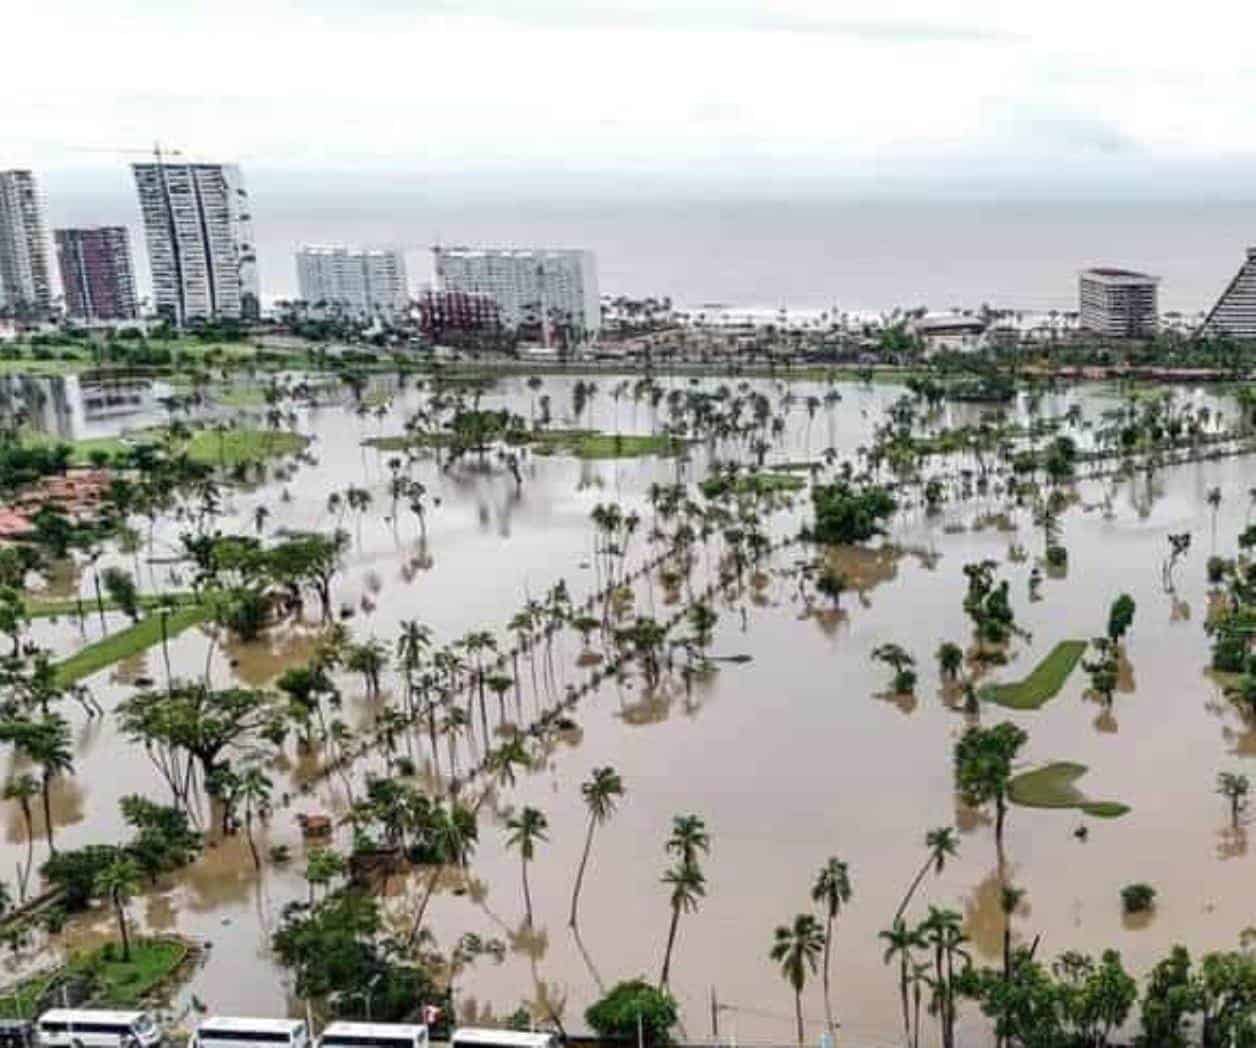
(574, 14)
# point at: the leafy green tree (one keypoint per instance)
(1120, 617)
(847, 513)
(190, 721)
(322, 867)
(602, 793)
(797, 949)
(525, 830)
(370, 658)
(950, 659)
(122, 591)
(832, 890)
(983, 770)
(901, 662)
(631, 1008)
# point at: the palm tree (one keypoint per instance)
(942, 844)
(900, 941)
(601, 794)
(47, 743)
(688, 887)
(1232, 786)
(796, 948)
(943, 931)
(689, 836)
(22, 789)
(831, 889)
(254, 790)
(526, 829)
(118, 882)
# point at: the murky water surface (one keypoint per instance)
(791, 757)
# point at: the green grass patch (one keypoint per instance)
(1052, 786)
(226, 449)
(583, 443)
(588, 445)
(1043, 683)
(130, 641)
(118, 983)
(234, 446)
(46, 608)
(81, 450)
(752, 484)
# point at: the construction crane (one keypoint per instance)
(157, 153)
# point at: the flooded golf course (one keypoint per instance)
(790, 756)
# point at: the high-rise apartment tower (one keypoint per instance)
(199, 230)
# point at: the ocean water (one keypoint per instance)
(801, 251)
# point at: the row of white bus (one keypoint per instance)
(88, 1028)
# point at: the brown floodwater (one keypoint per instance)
(791, 757)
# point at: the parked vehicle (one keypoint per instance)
(372, 1035)
(474, 1037)
(92, 1028)
(237, 1032)
(16, 1033)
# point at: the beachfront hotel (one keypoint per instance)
(25, 276)
(359, 281)
(1118, 303)
(1235, 312)
(97, 278)
(199, 232)
(529, 285)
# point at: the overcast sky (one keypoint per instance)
(1074, 91)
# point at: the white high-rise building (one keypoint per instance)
(361, 281)
(25, 274)
(1119, 303)
(199, 231)
(528, 285)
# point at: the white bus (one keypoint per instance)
(223, 1032)
(69, 1027)
(374, 1035)
(472, 1037)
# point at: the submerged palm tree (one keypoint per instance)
(942, 844)
(688, 887)
(118, 882)
(601, 794)
(797, 948)
(526, 829)
(831, 890)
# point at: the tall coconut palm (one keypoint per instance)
(831, 890)
(254, 791)
(942, 844)
(797, 948)
(47, 743)
(601, 795)
(118, 882)
(689, 836)
(688, 887)
(899, 943)
(525, 830)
